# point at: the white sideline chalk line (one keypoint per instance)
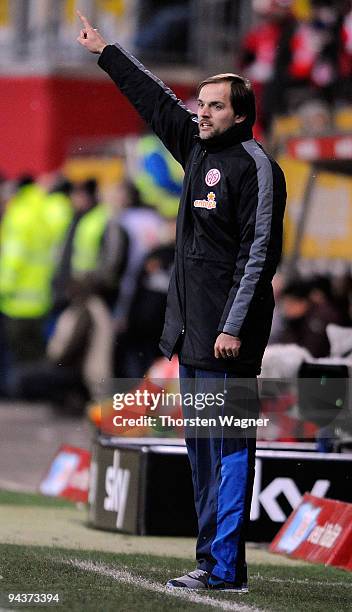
(308, 581)
(128, 578)
(11, 485)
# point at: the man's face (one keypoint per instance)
(215, 112)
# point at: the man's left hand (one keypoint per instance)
(226, 346)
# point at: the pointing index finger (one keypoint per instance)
(84, 20)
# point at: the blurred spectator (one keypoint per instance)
(4, 365)
(315, 118)
(259, 51)
(325, 291)
(30, 233)
(277, 325)
(94, 251)
(79, 356)
(139, 346)
(308, 59)
(59, 206)
(342, 291)
(345, 85)
(307, 309)
(143, 226)
(84, 198)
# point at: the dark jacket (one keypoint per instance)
(229, 227)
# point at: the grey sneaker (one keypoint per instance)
(198, 579)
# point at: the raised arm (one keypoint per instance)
(156, 103)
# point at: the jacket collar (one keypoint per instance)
(234, 135)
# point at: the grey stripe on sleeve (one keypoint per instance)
(258, 250)
(152, 76)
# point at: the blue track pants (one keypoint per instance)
(222, 462)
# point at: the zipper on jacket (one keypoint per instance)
(203, 156)
(200, 158)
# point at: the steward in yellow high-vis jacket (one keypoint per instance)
(31, 230)
(94, 250)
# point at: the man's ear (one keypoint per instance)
(240, 118)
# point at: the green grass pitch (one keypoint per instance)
(90, 580)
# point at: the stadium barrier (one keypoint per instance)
(143, 486)
(320, 531)
(68, 474)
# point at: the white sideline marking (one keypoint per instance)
(11, 485)
(128, 578)
(307, 581)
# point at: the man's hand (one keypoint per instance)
(89, 37)
(226, 346)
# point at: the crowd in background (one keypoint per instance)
(83, 287)
(292, 62)
(83, 280)
(83, 284)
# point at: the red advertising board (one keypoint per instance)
(68, 475)
(349, 564)
(329, 147)
(319, 530)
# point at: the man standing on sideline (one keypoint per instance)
(220, 300)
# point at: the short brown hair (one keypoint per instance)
(242, 95)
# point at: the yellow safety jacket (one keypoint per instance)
(87, 240)
(30, 231)
(59, 212)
